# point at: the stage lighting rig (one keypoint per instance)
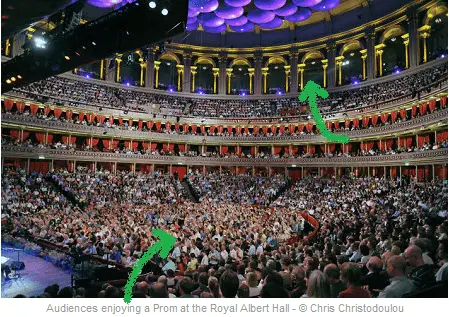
(132, 26)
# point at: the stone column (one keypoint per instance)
(156, 70)
(193, 72)
(331, 70)
(216, 72)
(251, 80)
(371, 60)
(424, 34)
(364, 56)
(287, 72)
(186, 83)
(228, 76)
(258, 72)
(379, 62)
(406, 39)
(301, 68)
(222, 61)
(294, 71)
(180, 69)
(118, 60)
(413, 38)
(339, 63)
(110, 73)
(149, 76)
(325, 65)
(265, 74)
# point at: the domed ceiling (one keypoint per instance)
(216, 16)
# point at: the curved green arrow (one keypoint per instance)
(163, 246)
(310, 92)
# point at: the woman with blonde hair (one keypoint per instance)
(318, 286)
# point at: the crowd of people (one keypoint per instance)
(74, 92)
(377, 237)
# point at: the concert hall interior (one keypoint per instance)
(128, 123)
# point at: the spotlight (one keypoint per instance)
(442, 56)
(67, 57)
(152, 4)
(168, 64)
(200, 92)
(243, 94)
(170, 89)
(8, 81)
(18, 76)
(356, 83)
(309, 117)
(279, 92)
(93, 43)
(40, 42)
(87, 76)
(128, 84)
(164, 11)
(352, 54)
(393, 39)
(13, 78)
(313, 63)
(397, 71)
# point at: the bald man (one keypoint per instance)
(423, 275)
(376, 279)
(385, 257)
(399, 283)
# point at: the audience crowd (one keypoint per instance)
(376, 238)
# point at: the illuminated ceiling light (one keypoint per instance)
(352, 54)
(313, 63)
(13, 78)
(152, 4)
(393, 39)
(93, 43)
(240, 69)
(18, 76)
(204, 67)
(40, 42)
(438, 20)
(67, 57)
(276, 67)
(168, 64)
(8, 81)
(164, 11)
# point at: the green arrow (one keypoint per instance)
(310, 92)
(165, 244)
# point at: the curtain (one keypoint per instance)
(40, 136)
(365, 121)
(193, 128)
(274, 129)
(432, 105)
(150, 125)
(336, 125)
(329, 125)
(20, 106)
(356, 123)
(331, 147)
(130, 122)
(171, 147)
(15, 134)
(165, 147)
(111, 120)
(146, 145)
(25, 135)
(252, 150)
(309, 127)
(50, 138)
(229, 129)
(158, 126)
(441, 136)
(181, 147)
(423, 109)
(220, 129)
(176, 127)
(265, 130)
(403, 113)
(73, 140)
(212, 129)
(115, 144)
(95, 142)
(374, 119)
(408, 142)
(127, 144)
(238, 129)
(120, 121)
(186, 128)
(246, 130)
(203, 129)
(312, 149)
(135, 145)
(106, 143)
(256, 130)
(369, 145)
(39, 167)
(65, 139)
(153, 146)
(8, 104)
(347, 123)
(168, 125)
(57, 112)
(69, 114)
(384, 117)
(224, 149)
(47, 110)
(414, 109)
(291, 128)
(388, 144)
(101, 119)
(443, 101)
(394, 116)
(34, 109)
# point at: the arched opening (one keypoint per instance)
(168, 73)
(313, 71)
(130, 69)
(91, 70)
(204, 79)
(240, 80)
(437, 43)
(276, 78)
(352, 67)
(393, 56)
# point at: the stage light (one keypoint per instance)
(93, 43)
(352, 54)
(41, 157)
(67, 57)
(313, 63)
(18, 76)
(170, 89)
(442, 56)
(8, 81)
(152, 4)
(279, 92)
(164, 11)
(13, 78)
(200, 92)
(168, 64)
(356, 83)
(128, 84)
(293, 165)
(40, 42)
(87, 76)
(243, 94)
(397, 71)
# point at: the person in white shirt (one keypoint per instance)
(252, 249)
(224, 254)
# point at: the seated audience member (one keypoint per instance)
(229, 284)
(376, 279)
(332, 273)
(351, 275)
(243, 291)
(318, 286)
(423, 275)
(158, 290)
(399, 283)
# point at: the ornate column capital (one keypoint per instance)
(216, 71)
(325, 63)
(229, 71)
(180, 68)
(301, 67)
(406, 38)
(379, 48)
(193, 68)
(251, 71)
(264, 71)
(287, 69)
(364, 54)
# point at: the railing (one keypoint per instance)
(67, 128)
(438, 156)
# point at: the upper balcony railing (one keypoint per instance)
(421, 123)
(438, 156)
